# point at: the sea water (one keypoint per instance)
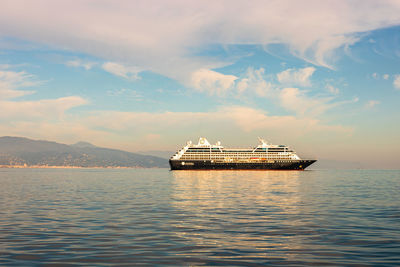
(236, 218)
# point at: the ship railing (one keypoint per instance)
(180, 153)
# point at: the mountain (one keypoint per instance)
(23, 151)
(83, 144)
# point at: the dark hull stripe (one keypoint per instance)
(208, 165)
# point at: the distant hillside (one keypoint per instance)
(83, 144)
(23, 151)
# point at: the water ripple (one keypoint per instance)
(157, 217)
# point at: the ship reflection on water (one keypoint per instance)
(230, 188)
(247, 213)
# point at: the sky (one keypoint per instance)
(320, 76)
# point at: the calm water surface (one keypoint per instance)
(235, 218)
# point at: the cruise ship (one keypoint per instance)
(265, 156)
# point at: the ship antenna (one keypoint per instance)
(262, 141)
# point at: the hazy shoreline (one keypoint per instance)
(68, 167)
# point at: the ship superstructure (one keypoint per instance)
(264, 156)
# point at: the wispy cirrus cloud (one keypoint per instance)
(161, 35)
(12, 109)
(130, 73)
(11, 82)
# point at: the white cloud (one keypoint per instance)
(216, 83)
(375, 75)
(297, 100)
(242, 85)
(10, 81)
(333, 90)
(372, 103)
(386, 76)
(87, 65)
(396, 81)
(212, 82)
(120, 70)
(300, 77)
(253, 80)
(165, 36)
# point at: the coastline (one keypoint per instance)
(67, 167)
